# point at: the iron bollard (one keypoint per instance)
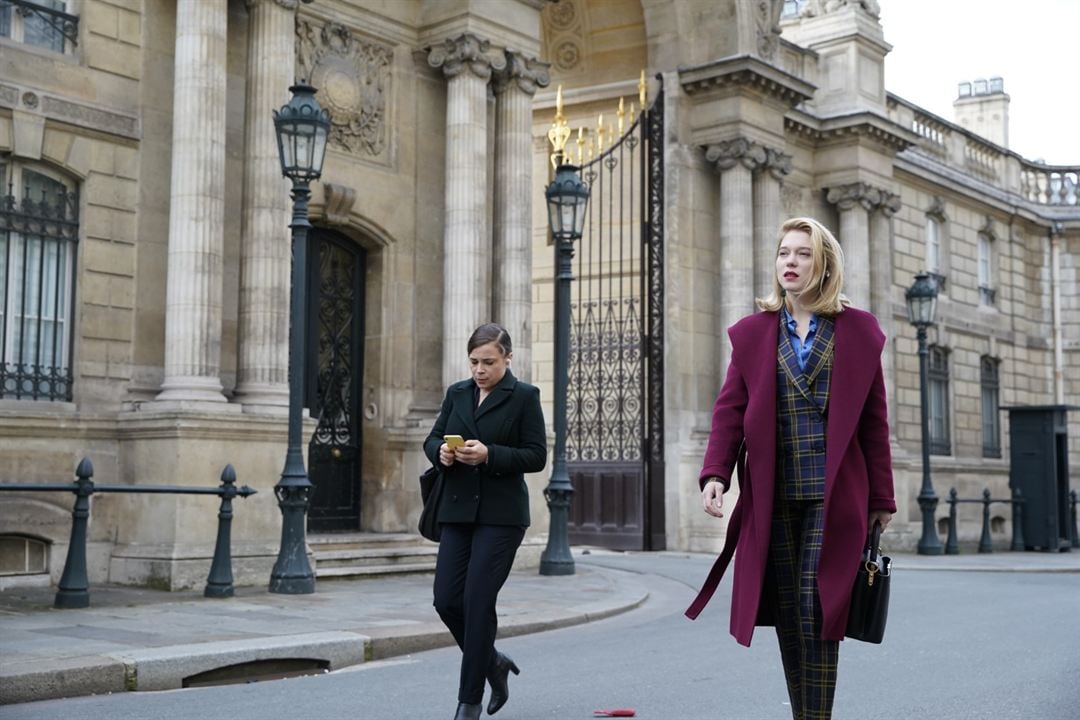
(952, 547)
(74, 589)
(219, 584)
(1017, 522)
(985, 543)
(1075, 531)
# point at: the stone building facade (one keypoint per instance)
(139, 145)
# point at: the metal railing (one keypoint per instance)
(74, 587)
(952, 545)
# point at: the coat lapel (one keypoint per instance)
(823, 348)
(855, 361)
(463, 406)
(498, 395)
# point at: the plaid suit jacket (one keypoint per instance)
(801, 401)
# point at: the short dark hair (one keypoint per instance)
(491, 333)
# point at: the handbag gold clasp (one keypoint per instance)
(871, 571)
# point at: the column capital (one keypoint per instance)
(777, 163)
(287, 4)
(466, 52)
(869, 197)
(729, 153)
(527, 73)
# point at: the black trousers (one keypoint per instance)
(472, 566)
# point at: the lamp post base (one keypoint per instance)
(556, 558)
(929, 543)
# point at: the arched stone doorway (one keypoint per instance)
(333, 365)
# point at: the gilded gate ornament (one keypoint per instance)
(353, 78)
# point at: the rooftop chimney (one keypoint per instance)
(983, 108)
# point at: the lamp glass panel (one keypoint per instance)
(320, 148)
(579, 222)
(553, 216)
(304, 147)
(569, 216)
(285, 145)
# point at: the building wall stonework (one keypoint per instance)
(101, 116)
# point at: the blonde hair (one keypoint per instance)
(823, 291)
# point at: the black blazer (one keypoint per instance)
(510, 423)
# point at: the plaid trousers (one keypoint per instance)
(809, 662)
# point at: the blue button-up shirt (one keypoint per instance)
(802, 348)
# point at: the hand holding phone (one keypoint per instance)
(454, 441)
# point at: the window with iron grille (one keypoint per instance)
(38, 232)
(987, 293)
(40, 23)
(938, 378)
(991, 426)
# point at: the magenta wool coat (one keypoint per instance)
(858, 464)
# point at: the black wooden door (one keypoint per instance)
(333, 372)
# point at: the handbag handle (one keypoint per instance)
(873, 540)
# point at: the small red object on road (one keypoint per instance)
(618, 712)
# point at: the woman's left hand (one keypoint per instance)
(881, 516)
(473, 453)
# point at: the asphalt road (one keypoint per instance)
(959, 645)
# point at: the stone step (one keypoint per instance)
(371, 571)
(379, 556)
(364, 541)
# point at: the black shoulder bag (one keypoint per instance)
(870, 595)
(431, 487)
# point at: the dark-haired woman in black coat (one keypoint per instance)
(485, 506)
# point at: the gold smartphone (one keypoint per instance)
(454, 441)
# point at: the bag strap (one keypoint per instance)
(716, 573)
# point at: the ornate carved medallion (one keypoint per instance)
(353, 78)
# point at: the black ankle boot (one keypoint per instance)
(499, 679)
(467, 711)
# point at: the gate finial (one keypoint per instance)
(559, 133)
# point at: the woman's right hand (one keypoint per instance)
(446, 455)
(712, 498)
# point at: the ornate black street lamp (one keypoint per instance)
(302, 127)
(567, 197)
(922, 306)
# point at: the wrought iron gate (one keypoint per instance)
(615, 450)
(334, 364)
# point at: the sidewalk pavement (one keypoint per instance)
(139, 639)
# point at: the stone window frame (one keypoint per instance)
(12, 196)
(990, 403)
(986, 264)
(937, 379)
(9, 543)
(935, 213)
(14, 25)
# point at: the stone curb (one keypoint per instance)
(165, 668)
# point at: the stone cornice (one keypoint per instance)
(745, 71)
(974, 188)
(844, 129)
(466, 52)
(72, 112)
(527, 73)
(287, 4)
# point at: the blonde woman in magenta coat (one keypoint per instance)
(818, 468)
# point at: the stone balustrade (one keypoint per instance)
(1050, 184)
(957, 147)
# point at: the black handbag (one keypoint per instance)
(870, 595)
(431, 487)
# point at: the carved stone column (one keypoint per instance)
(193, 307)
(881, 282)
(467, 62)
(768, 214)
(736, 160)
(855, 202)
(512, 298)
(263, 363)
